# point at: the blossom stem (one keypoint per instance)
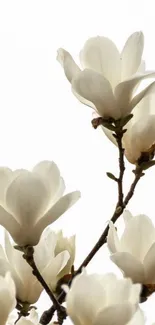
(29, 257)
(120, 206)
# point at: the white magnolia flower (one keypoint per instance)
(109, 78)
(28, 288)
(134, 253)
(7, 297)
(54, 256)
(30, 201)
(102, 300)
(140, 134)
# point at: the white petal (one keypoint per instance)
(5, 178)
(112, 239)
(131, 55)
(138, 236)
(27, 198)
(124, 91)
(142, 137)
(56, 211)
(50, 174)
(101, 55)
(117, 314)
(55, 266)
(9, 223)
(149, 265)
(71, 69)
(83, 100)
(145, 92)
(80, 300)
(127, 216)
(129, 265)
(95, 88)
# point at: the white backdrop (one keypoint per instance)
(40, 118)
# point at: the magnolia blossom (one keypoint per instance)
(109, 78)
(28, 288)
(30, 201)
(134, 253)
(7, 297)
(140, 134)
(102, 300)
(54, 256)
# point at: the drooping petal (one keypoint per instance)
(27, 197)
(138, 236)
(149, 265)
(95, 88)
(124, 90)
(129, 265)
(102, 55)
(112, 239)
(71, 69)
(131, 55)
(42, 253)
(145, 92)
(56, 211)
(116, 314)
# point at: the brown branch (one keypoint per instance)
(29, 257)
(48, 314)
(120, 206)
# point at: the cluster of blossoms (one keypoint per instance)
(37, 258)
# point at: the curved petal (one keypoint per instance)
(149, 265)
(124, 91)
(131, 55)
(95, 88)
(50, 174)
(52, 270)
(101, 54)
(56, 211)
(27, 197)
(138, 236)
(145, 92)
(71, 69)
(83, 100)
(116, 314)
(129, 265)
(112, 239)
(9, 223)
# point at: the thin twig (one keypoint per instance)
(118, 136)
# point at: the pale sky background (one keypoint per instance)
(41, 119)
